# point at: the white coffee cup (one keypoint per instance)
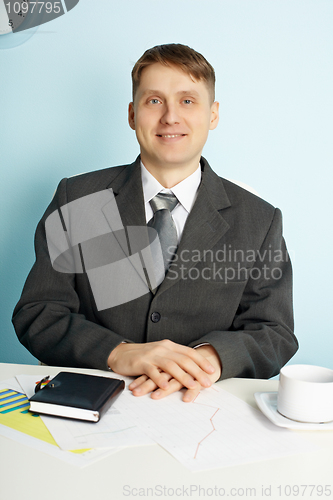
(306, 393)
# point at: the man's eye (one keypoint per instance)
(154, 101)
(187, 101)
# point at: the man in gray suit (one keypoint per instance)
(178, 295)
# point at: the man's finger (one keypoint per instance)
(138, 381)
(146, 385)
(191, 394)
(174, 386)
(185, 370)
(157, 376)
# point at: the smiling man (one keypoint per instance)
(204, 295)
(172, 114)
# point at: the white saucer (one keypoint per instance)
(267, 402)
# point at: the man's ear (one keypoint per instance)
(131, 120)
(214, 119)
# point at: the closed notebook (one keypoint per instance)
(76, 395)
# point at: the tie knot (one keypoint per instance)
(163, 201)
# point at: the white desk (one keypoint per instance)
(26, 473)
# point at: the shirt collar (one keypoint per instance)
(185, 190)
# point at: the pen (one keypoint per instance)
(44, 381)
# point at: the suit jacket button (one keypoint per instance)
(155, 317)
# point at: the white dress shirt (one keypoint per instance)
(185, 191)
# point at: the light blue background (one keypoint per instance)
(63, 110)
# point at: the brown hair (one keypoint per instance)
(176, 54)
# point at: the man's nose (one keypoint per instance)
(170, 115)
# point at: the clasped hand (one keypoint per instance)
(165, 367)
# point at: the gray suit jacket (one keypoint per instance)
(230, 283)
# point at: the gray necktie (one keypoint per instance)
(162, 204)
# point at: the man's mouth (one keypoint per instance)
(170, 136)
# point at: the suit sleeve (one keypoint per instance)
(48, 319)
(261, 339)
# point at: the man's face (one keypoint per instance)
(171, 115)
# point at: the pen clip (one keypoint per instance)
(39, 384)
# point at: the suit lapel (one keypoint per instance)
(127, 206)
(127, 189)
(204, 227)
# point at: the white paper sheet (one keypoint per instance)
(114, 430)
(24, 433)
(216, 430)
